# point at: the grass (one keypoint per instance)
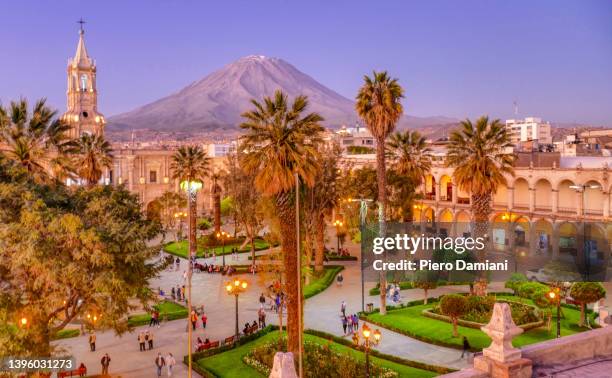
(410, 321)
(180, 248)
(322, 281)
(66, 334)
(229, 364)
(167, 310)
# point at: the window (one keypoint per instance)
(84, 82)
(153, 176)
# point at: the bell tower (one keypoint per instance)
(82, 94)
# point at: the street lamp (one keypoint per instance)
(191, 187)
(223, 236)
(338, 224)
(363, 212)
(23, 322)
(367, 344)
(180, 216)
(235, 288)
(555, 297)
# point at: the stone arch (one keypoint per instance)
(500, 197)
(593, 197)
(445, 215)
(543, 195)
(430, 187)
(499, 230)
(567, 196)
(568, 241)
(544, 231)
(521, 228)
(446, 188)
(521, 193)
(462, 223)
(429, 215)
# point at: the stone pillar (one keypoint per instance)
(455, 191)
(510, 198)
(501, 359)
(606, 204)
(131, 168)
(555, 201)
(579, 204)
(436, 188)
(555, 240)
(532, 238)
(532, 199)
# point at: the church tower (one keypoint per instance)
(82, 113)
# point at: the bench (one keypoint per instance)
(80, 372)
(229, 340)
(207, 346)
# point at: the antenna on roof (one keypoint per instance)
(81, 22)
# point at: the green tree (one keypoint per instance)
(37, 140)
(585, 293)
(454, 306)
(515, 281)
(541, 299)
(478, 153)
(216, 194)
(165, 206)
(82, 251)
(426, 280)
(379, 105)
(279, 143)
(91, 154)
(409, 155)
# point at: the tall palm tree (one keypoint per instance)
(36, 141)
(478, 154)
(378, 104)
(410, 158)
(216, 194)
(92, 153)
(280, 142)
(190, 164)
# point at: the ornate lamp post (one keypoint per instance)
(555, 297)
(236, 288)
(367, 334)
(363, 212)
(180, 216)
(223, 236)
(338, 224)
(191, 188)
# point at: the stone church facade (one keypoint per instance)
(145, 172)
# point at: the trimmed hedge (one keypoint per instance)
(323, 283)
(145, 318)
(374, 352)
(66, 334)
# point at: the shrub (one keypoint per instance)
(453, 306)
(526, 289)
(585, 293)
(515, 281)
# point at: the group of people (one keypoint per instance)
(250, 328)
(393, 292)
(155, 319)
(201, 344)
(144, 338)
(160, 361)
(178, 294)
(350, 323)
(193, 318)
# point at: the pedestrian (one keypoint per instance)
(355, 322)
(262, 300)
(277, 302)
(344, 324)
(92, 341)
(141, 341)
(339, 279)
(349, 324)
(343, 308)
(466, 347)
(105, 361)
(173, 293)
(170, 362)
(160, 362)
(204, 319)
(262, 317)
(150, 340)
(194, 319)
(152, 321)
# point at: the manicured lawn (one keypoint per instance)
(167, 310)
(67, 333)
(410, 321)
(322, 281)
(229, 364)
(180, 248)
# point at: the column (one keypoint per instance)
(555, 201)
(579, 204)
(532, 238)
(555, 241)
(437, 190)
(131, 168)
(531, 200)
(454, 188)
(510, 237)
(510, 198)
(606, 204)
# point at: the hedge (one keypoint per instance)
(323, 283)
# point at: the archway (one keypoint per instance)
(499, 231)
(500, 198)
(593, 198)
(567, 197)
(430, 187)
(568, 241)
(543, 236)
(543, 195)
(521, 230)
(521, 194)
(445, 222)
(462, 223)
(446, 188)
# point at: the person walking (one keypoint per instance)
(160, 362)
(344, 324)
(141, 341)
(152, 321)
(170, 362)
(343, 308)
(262, 317)
(339, 279)
(194, 319)
(150, 340)
(92, 341)
(204, 320)
(349, 324)
(466, 347)
(105, 362)
(262, 300)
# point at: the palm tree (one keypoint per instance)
(36, 141)
(216, 194)
(477, 152)
(280, 142)
(410, 159)
(92, 153)
(190, 164)
(378, 104)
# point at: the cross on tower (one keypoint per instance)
(81, 22)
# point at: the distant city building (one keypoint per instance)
(529, 129)
(356, 139)
(220, 149)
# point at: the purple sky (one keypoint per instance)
(454, 58)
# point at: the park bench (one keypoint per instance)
(80, 372)
(207, 346)
(229, 340)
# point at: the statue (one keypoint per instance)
(283, 367)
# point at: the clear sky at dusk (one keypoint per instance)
(454, 58)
